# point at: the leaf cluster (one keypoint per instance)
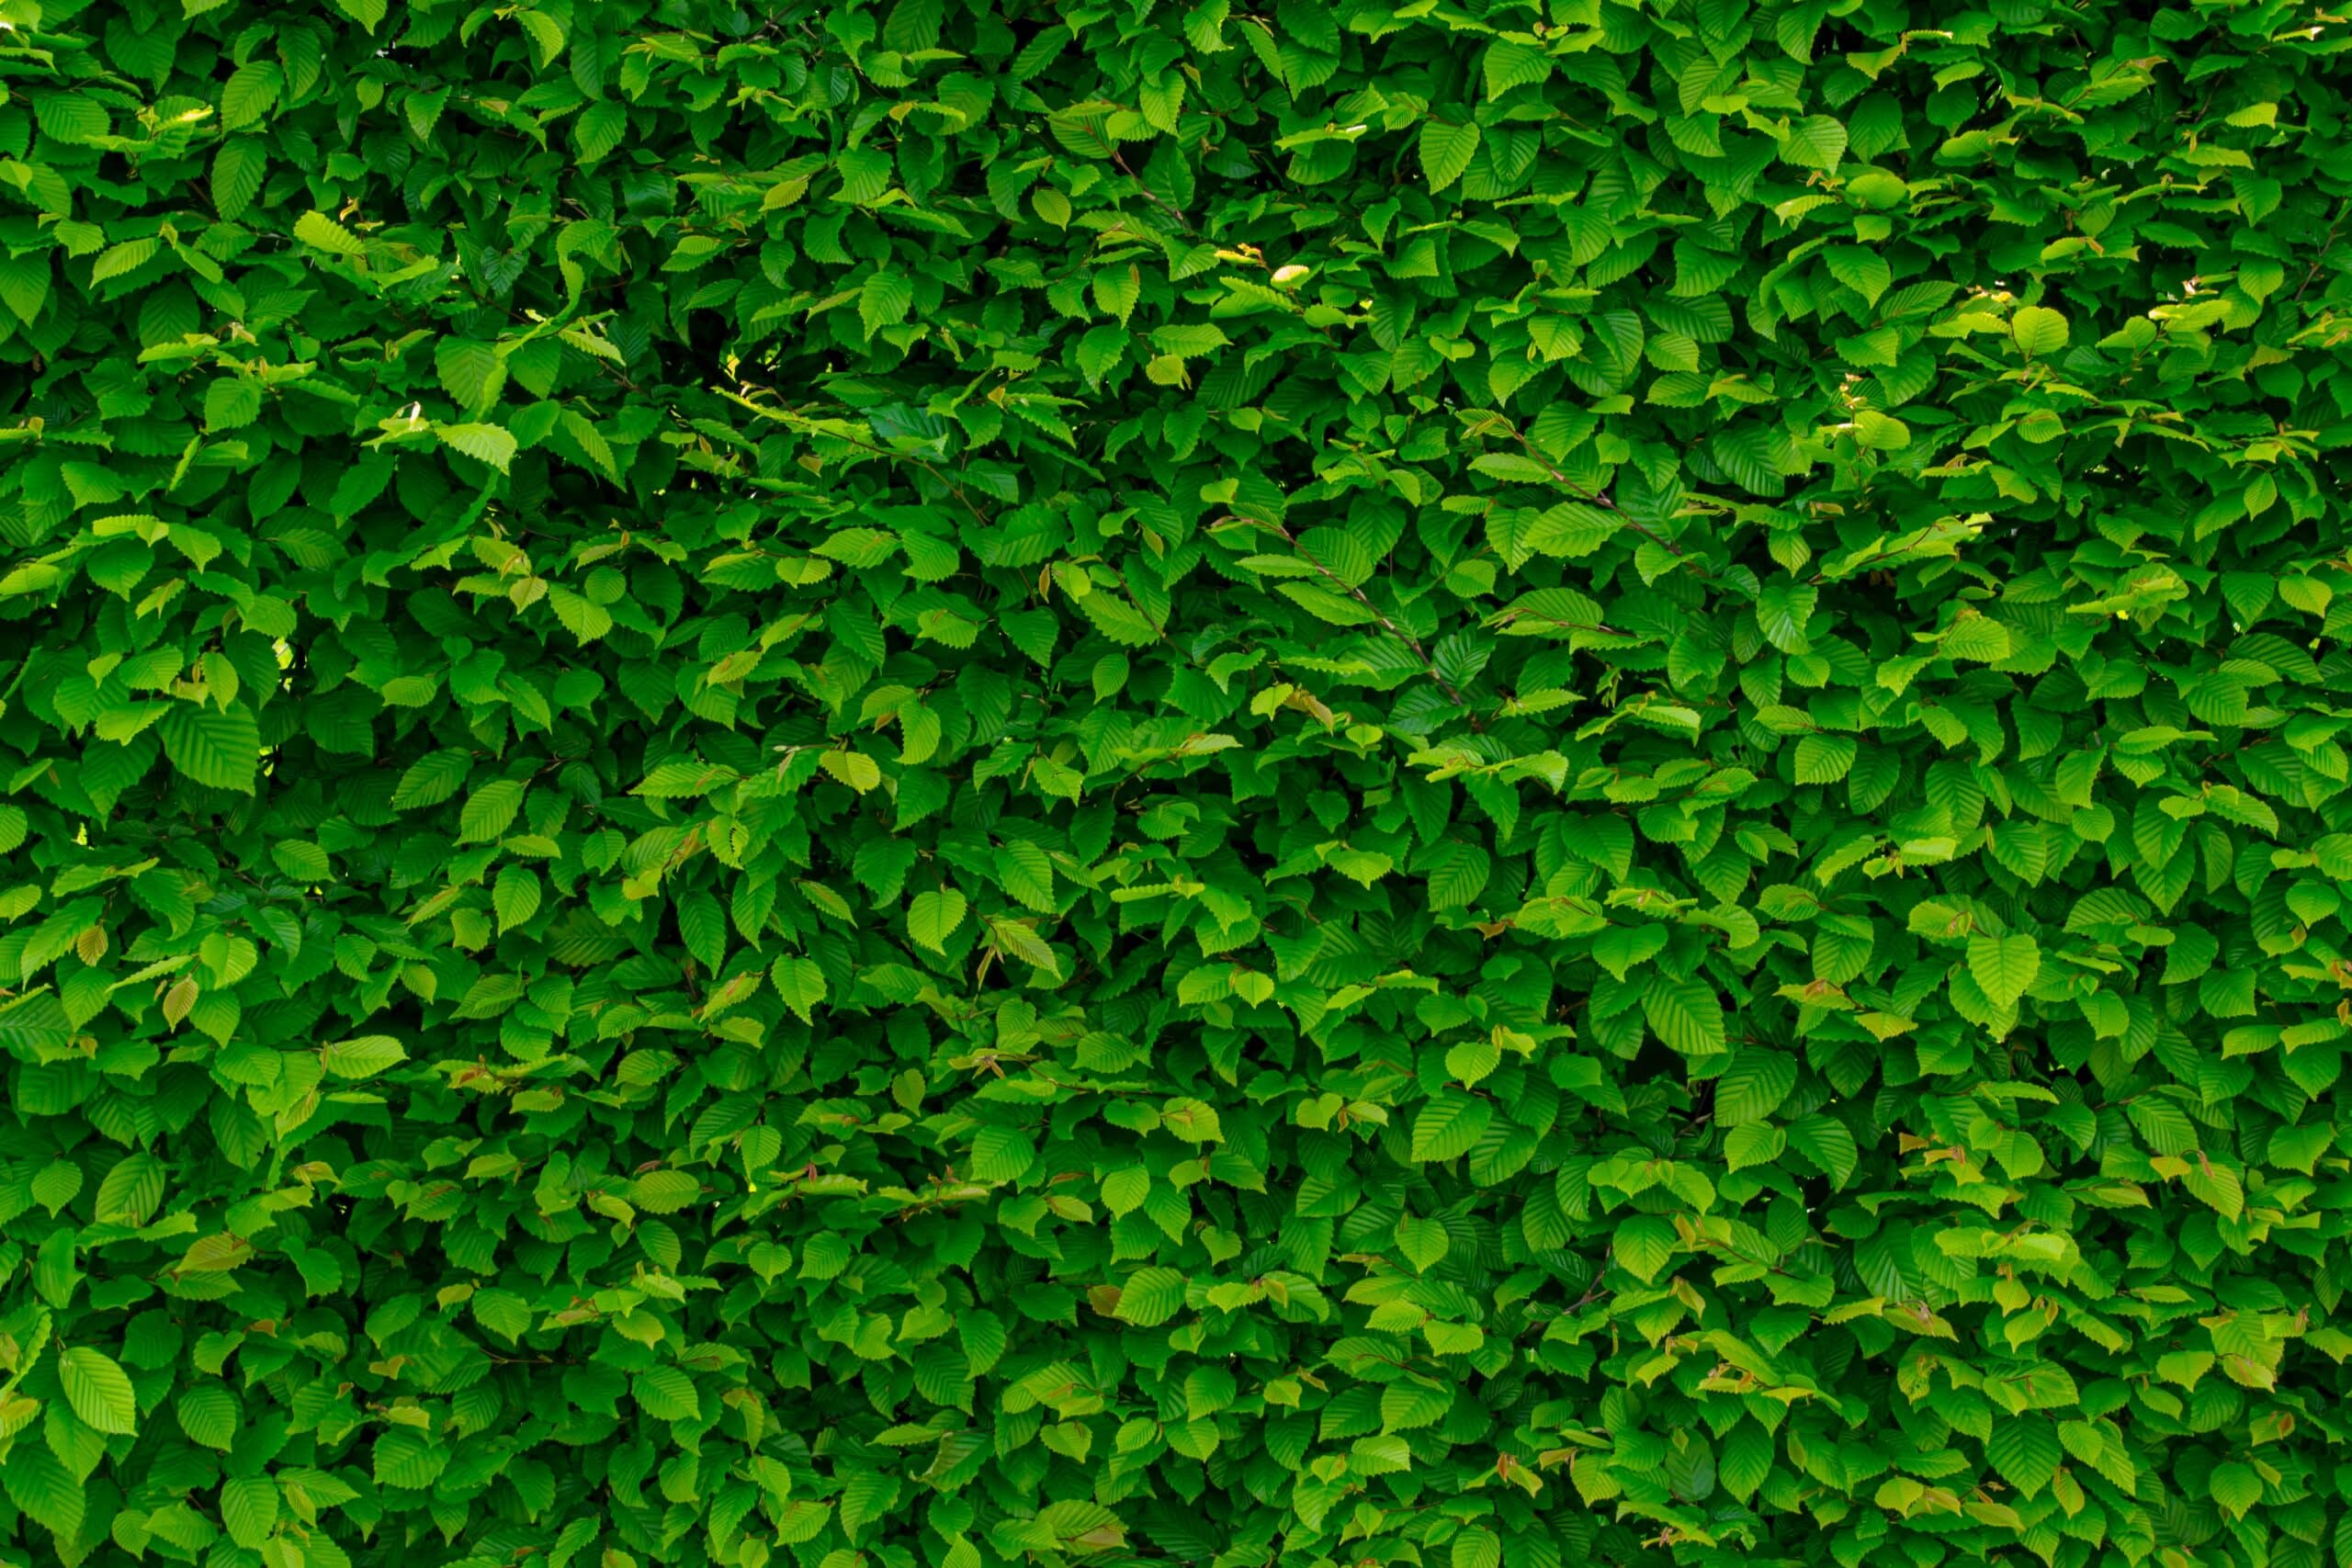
(942, 783)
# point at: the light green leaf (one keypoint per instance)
(364, 1057)
(855, 769)
(249, 1506)
(884, 300)
(489, 444)
(1424, 1243)
(1446, 150)
(1644, 1244)
(318, 230)
(2235, 1487)
(1021, 941)
(1817, 141)
(666, 1394)
(933, 917)
(2004, 966)
(132, 1189)
(802, 985)
(207, 1413)
(1150, 1297)
(664, 1192)
(2039, 331)
(100, 1390)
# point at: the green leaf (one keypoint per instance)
(935, 916)
(1194, 1121)
(2025, 1451)
(1510, 65)
(490, 810)
(802, 985)
(207, 1413)
(1411, 1403)
(2235, 1487)
(664, 1192)
(1814, 142)
(217, 747)
(230, 403)
(318, 230)
(1446, 150)
(249, 1506)
(488, 443)
(866, 1495)
(364, 1057)
(2039, 331)
(99, 1390)
(1020, 941)
(2004, 966)
(1753, 1144)
(884, 300)
(236, 175)
(855, 769)
(1620, 949)
(1828, 1144)
(1150, 1297)
(407, 1458)
(132, 1189)
(43, 1490)
(666, 1394)
(1124, 1191)
(1754, 1086)
(56, 1185)
(1424, 1243)
(249, 95)
(1450, 1125)
(1325, 605)
(516, 897)
(1686, 1014)
(24, 287)
(473, 374)
(1645, 1244)
(1001, 1154)
(432, 779)
(1863, 271)
(1025, 871)
(1118, 620)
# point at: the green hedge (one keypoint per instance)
(961, 783)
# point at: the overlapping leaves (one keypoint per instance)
(958, 783)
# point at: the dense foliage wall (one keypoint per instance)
(974, 781)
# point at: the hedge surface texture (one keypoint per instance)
(965, 782)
